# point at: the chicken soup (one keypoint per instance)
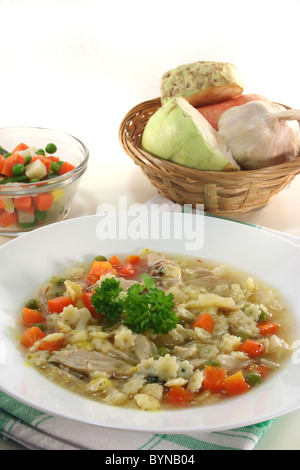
(155, 331)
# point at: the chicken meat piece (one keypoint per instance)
(205, 278)
(86, 362)
(164, 272)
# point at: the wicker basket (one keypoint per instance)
(221, 193)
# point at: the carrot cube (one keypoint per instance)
(7, 219)
(43, 202)
(98, 269)
(32, 335)
(214, 378)
(204, 321)
(57, 304)
(23, 203)
(65, 168)
(236, 384)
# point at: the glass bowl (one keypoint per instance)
(58, 191)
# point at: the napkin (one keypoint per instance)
(36, 430)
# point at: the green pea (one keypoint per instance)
(50, 148)
(100, 258)
(59, 293)
(33, 304)
(253, 379)
(40, 216)
(34, 180)
(28, 160)
(18, 169)
(55, 166)
(40, 152)
(60, 281)
(212, 363)
(162, 351)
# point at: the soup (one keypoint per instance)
(156, 331)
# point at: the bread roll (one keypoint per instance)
(202, 83)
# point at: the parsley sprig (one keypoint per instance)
(144, 306)
(106, 299)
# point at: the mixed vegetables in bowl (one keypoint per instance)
(40, 171)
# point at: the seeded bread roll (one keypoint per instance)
(202, 83)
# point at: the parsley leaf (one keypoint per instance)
(145, 307)
(106, 299)
(149, 308)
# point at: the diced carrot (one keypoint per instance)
(43, 201)
(31, 317)
(214, 378)
(7, 219)
(115, 262)
(236, 384)
(57, 304)
(23, 203)
(98, 269)
(2, 204)
(52, 158)
(87, 300)
(32, 335)
(2, 160)
(204, 321)
(268, 328)
(252, 348)
(65, 168)
(127, 270)
(11, 161)
(179, 396)
(20, 147)
(133, 259)
(52, 345)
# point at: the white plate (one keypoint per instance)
(32, 259)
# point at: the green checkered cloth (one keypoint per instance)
(36, 430)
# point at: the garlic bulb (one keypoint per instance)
(261, 134)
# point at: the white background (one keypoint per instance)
(80, 66)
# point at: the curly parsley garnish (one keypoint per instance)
(143, 307)
(106, 299)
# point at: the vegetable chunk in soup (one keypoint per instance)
(154, 331)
